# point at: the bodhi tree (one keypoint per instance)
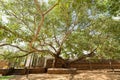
(63, 29)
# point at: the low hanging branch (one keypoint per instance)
(20, 55)
(84, 56)
(27, 52)
(50, 52)
(15, 47)
(17, 56)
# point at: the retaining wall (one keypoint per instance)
(87, 65)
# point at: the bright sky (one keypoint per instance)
(4, 19)
(46, 0)
(116, 18)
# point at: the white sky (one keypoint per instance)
(46, 0)
(116, 18)
(4, 19)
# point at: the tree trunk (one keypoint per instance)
(54, 65)
(65, 64)
(25, 61)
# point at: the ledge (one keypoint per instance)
(61, 70)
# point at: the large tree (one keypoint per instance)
(61, 28)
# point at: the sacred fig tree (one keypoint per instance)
(68, 30)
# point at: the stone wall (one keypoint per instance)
(3, 64)
(85, 64)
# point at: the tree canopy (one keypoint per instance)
(61, 28)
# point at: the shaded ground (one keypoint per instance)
(82, 75)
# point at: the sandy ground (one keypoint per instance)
(81, 75)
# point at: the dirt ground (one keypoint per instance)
(81, 75)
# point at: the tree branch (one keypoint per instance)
(14, 33)
(37, 33)
(12, 12)
(46, 12)
(6, 29)
(50, 46)
(63, 40)
(40, 23)
(20, 56)
(15, 47)
(38, 7)
(84, 56)
(56, 40)
(45, 51)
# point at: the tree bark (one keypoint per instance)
(54, 65)
(65, 64)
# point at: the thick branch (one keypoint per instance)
(17, 56)
(15, 47)
(67, 34)
(40, 24)
(58, 51)
(20, 56)
(50, 46)
(38, 30)
(35, 50)
(44, 51)
(38, 7)
(63, 40)
(85, 56)
(56, 40)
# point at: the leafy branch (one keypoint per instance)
(41, 21)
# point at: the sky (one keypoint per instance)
(46, 0)
(116, 18)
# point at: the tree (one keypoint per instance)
(62, 29)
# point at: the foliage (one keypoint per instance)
(64, 28)
(6, 77)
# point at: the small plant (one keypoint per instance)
(5, 77)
